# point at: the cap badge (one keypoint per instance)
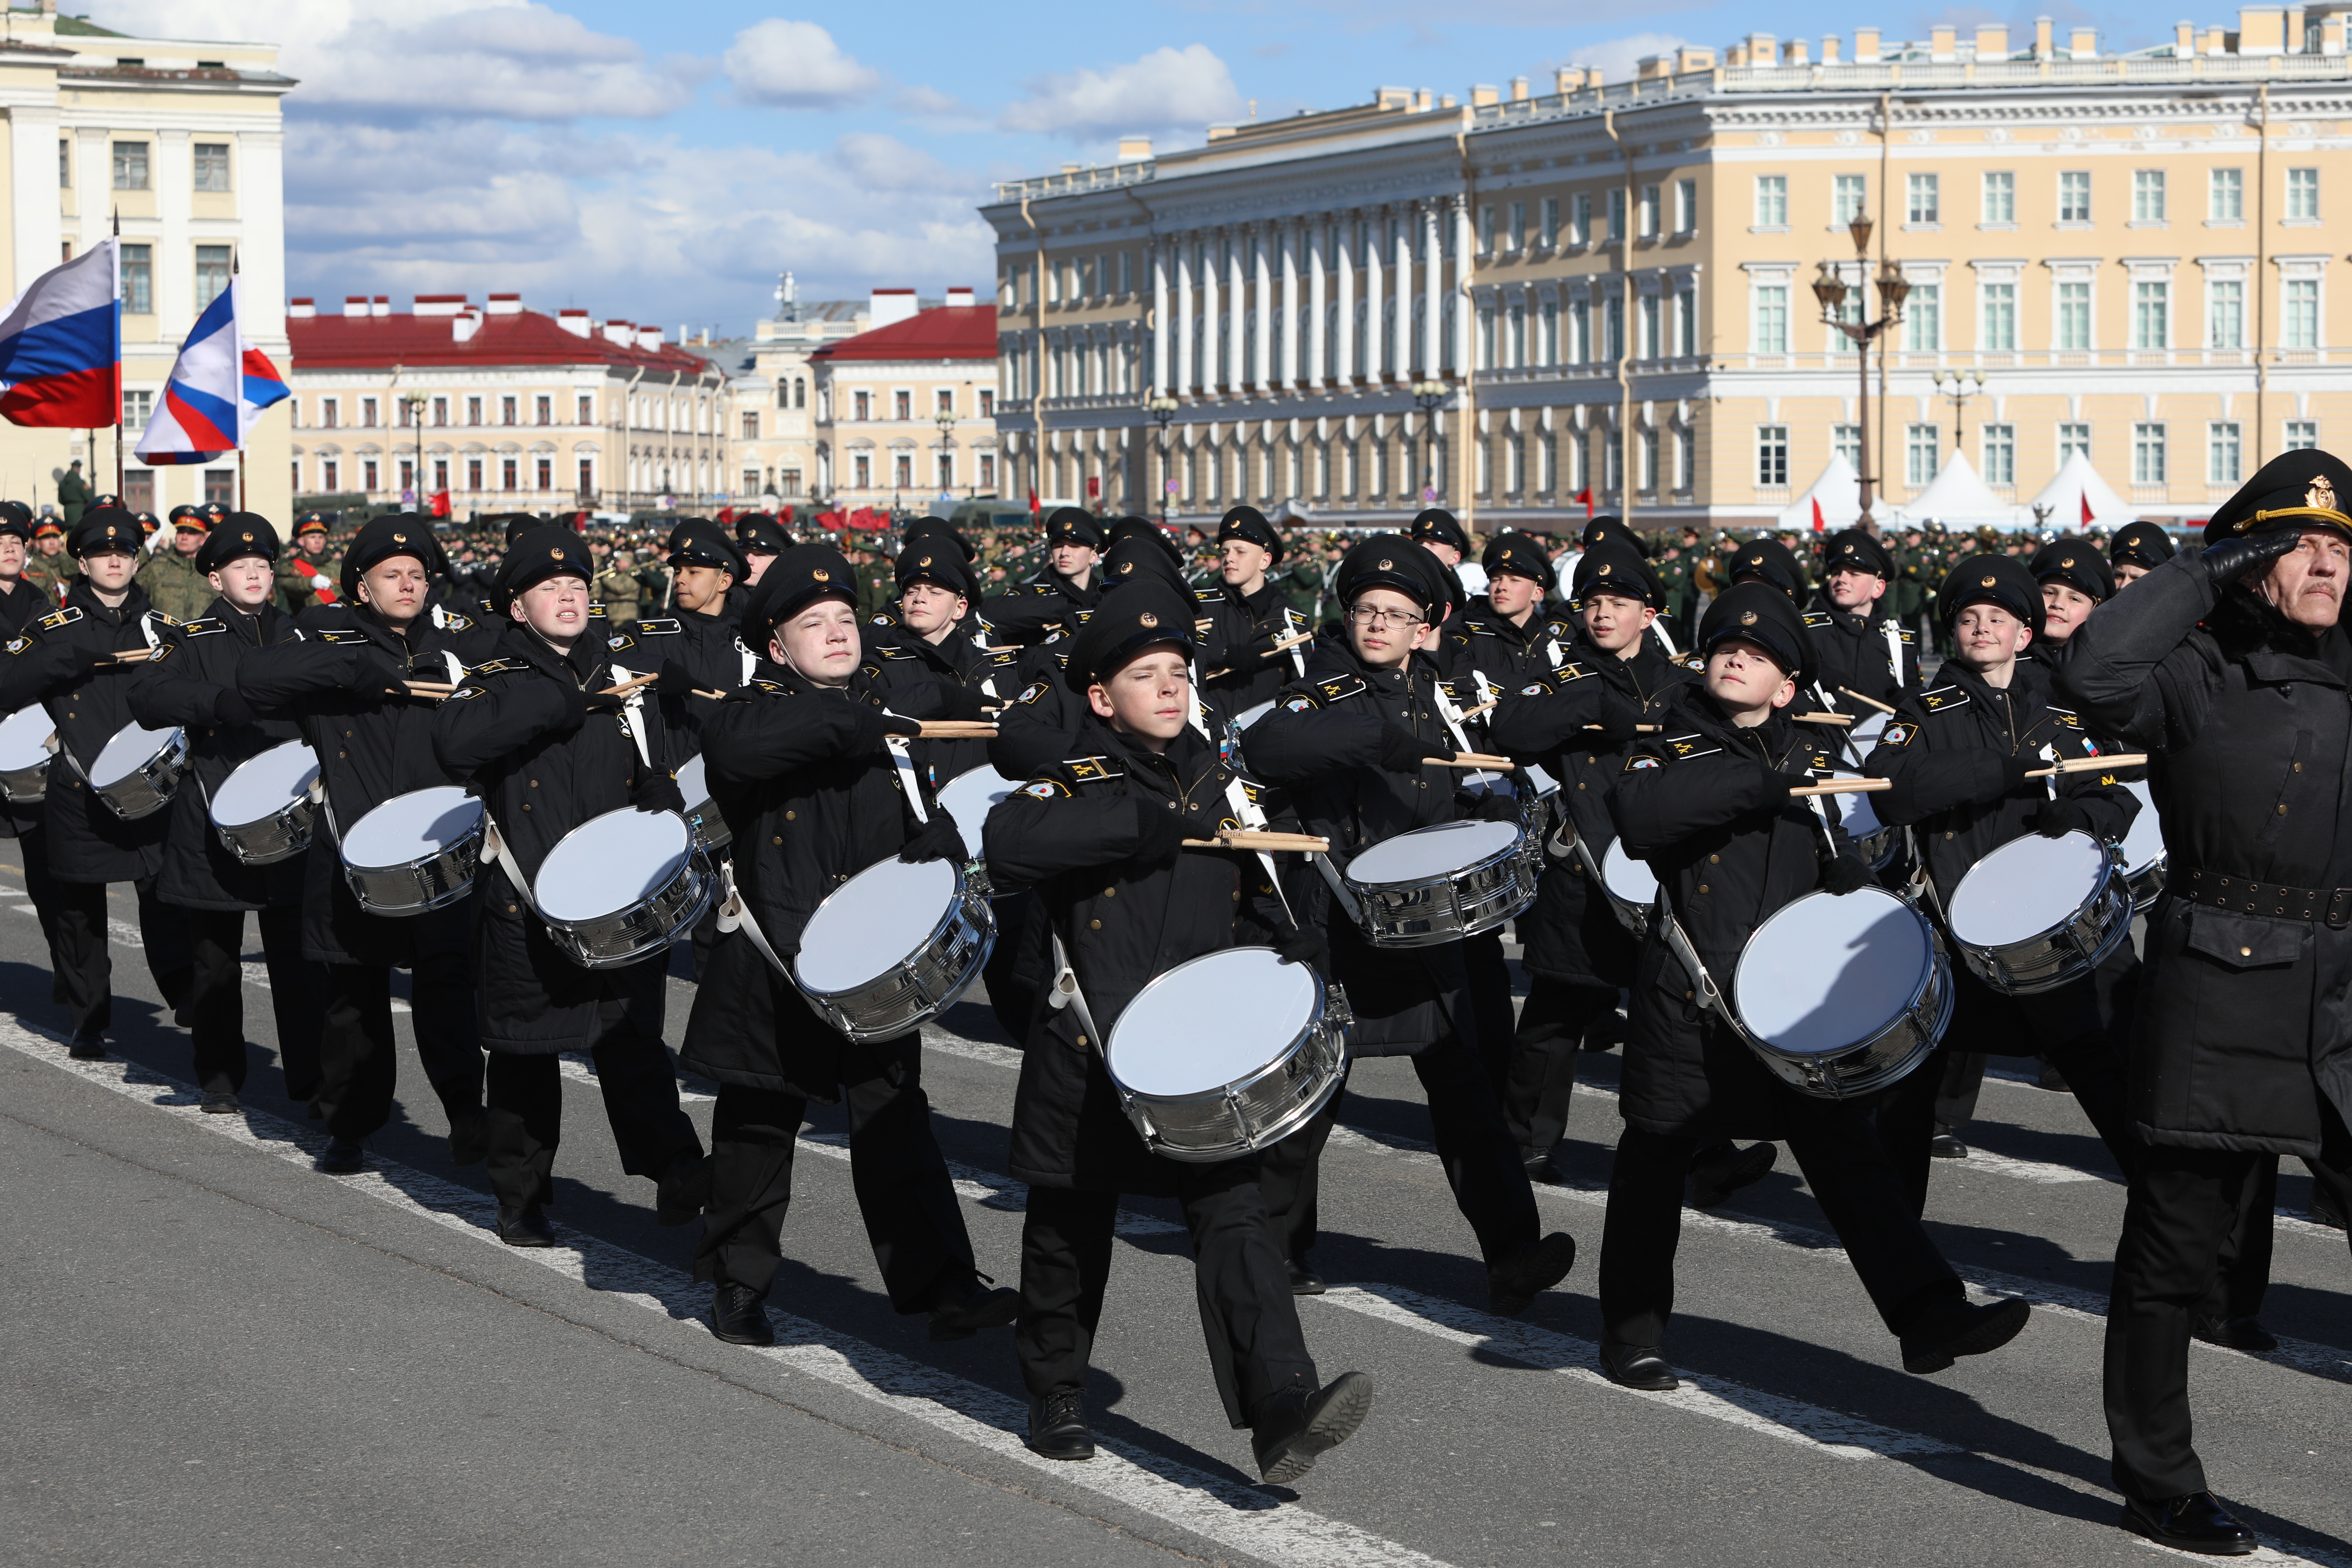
(1985, 583)
(248, 538)
(926, 561)
(1604, 570)
(2067, 560)
(1125, 567)
(1749, 619)
(2322, 494)
(1387, 566)
(1147, 619)
(822, 575)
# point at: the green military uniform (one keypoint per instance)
(301, 575)
(618, 590)
(73, 495)
(655, 578)
(173, 585)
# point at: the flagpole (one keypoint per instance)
(118, 355)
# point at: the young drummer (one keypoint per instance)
(799, 765)
(535, 733)
(1101, 838)
(1708, 803)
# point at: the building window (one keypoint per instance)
(212, 273)
(138, 280)
(1613, 326)
(788, 482)
(1845, 440)
(2222, 453)
(368, 475)
(1652, 214)
(2148, 454)
(863, 403)
(1998, 450)
(1923, 319)
(2300, 324)
(2225, 314)
(862, 468)
(1516, 235)
(1771, 319)
(368, 414)
(586, 412)
(2148, 195)
(2302, 435)
(1685, 207)
(1847, 193)
(2073, 315)
(330, 413)
(408, 477)
(1646, 448)
(474, 473)
(1924, 203)
(904, 404)
(1772, 202)
(1771, 457)
(988, 471)
(1999, 333)
(1922, 444)
(2225, 196)
(2073, 439)
(988, 403)
(2303, 196)
(211, 166)
(2151, 313)
(544, 410)
(1485, 231)
(65, 169)
(440, 473)
(1518, 337)
(138, 405)
(1999, 197)
(546, 467)
(750, 426)
(2074, 196)
(944, 402)
(1551, 211)
(1616, 213)
(131, 165)
(330, 475)
(947, 472)
(509, 474)
(904, 475)
(587, 476)
(1687, 322)
(507, 410)
(473, 411)
(1580, 230)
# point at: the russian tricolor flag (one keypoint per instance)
(61, 346)
(217, 390)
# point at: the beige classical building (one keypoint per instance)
(907, 409)
(503, 407)
(771, 387)
(1513, 300)
(182, 143)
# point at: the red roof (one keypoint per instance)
(526, 337)
(948, 332)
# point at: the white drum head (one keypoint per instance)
(1430, 852)
(1855, 815)
(1866, 731)
(24, 737)
(1539, 783)
(409, 827)
(2024, 888)
(611, 863)
(265, 784)
(1164, 1044)
(693, 783)
(971, 796)
(1627, 880)
(1827, 973)
(127, 753)
(1249, 716)
(2143, 846)
(873, 921)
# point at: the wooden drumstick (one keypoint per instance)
(133, 655)
(1844, 786)
(1472, 759)
(1483, 707)
(2093, 765)
(1840, 719)
(433, 688)
(956, 729)
(632, 684)
(1301, 843)
(1638, 729)
(1858, 697)
(1284, 647)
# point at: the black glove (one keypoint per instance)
(2061, 817)
(1844, 875)
(85, 660)
(373, 669)
(1159, 833)
(1495, 807)
(874, 726)
(1304, 945)
(1402, 752)
(1779, 784)
(604, 701)
(656, 791)
(934, 840)
(231, 708)
(2014, 771)
(2234, 558)
(1619, 720)
(675, 680)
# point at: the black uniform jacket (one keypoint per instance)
(196, 663)
(708, 647)
(371, 746)
(1573, 933)
(812, 797)
(1046, 603)
(1852, 653)
(519, 735)
(2242, 1018)
(1322, 746)
(18, 608)
(1944, 751)
(1695, 802)
(1238, 646)
(1073, 834)
(87, 842)
(968, 677)
(1483, 641)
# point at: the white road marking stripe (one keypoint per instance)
(1774, 1415)
(576, 1065)
(990, 1189)
(1230, 1512)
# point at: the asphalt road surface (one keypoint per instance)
(213, 1355)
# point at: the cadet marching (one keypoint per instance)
(1831, 824)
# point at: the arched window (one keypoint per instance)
(800, 393)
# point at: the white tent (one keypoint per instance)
(2077, 484)
(1961, 500)
(1839, 490)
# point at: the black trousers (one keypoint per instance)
(298, 992)
(1490, 1003)
(1247, 1314)
(359, 1062)
(524, 1101)
(1850, 1175)
(913, 1220)
(41, 887)
(1482, 1164)
(1540, 1083)
(2184, 1206)
(78, 950)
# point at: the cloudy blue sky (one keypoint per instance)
(664, 162)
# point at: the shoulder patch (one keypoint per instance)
(1299, 705)
(1639, 760)
(203, 629)
(163, 651)
(1207, 595)
(1534, 688)
(1570, 671)
(620, 640)
(467, 692)
(18, 644)
(1004, 657)
(1816, 619)
(451, 621)
(1034, 690)
(2067, 717)
(1341, 689)
(1045, 789)
(56, 619)
(882, 621)
(1910, 637)
(497, 667)
(1093, 770)
(1683, 747)
(341, 635)
(772, 688)
(1902, 733)
(891, 651)
(1943, 696)
(660, 628)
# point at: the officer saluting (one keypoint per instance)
(1857, 641)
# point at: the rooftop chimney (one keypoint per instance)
(887, 307)
(380, 306)
(506, 304)
(1866, 45)
(620, 332)
(302, 308)
(440, 304)
(573, 321)
(1134, 149)
(959, 299)
(464, 325)
(649, 339)
(355, 307)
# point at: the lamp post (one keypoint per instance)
(414, 403)
(945, 420)
(1162, 408)
(1959, 386)
(1831, 290)
(1429, 395)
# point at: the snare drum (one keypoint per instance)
(1632, 887)
(415, 852)
(28, 741)
(971, 796)
(1842, 996)
(1876, 843)
(2143, 847)
(262, 811)
(621, 887)
(711, 833)
(2039, 912)
(1439, 884)
(137, 772)
(1275, 1060)
(1866, 731)
(1249, 716)
(858, 966)
(1538, 798)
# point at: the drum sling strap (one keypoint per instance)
(494, 848)
(1710, 996)
(1894, 635)
(1659, 628)
(735, 914)
(1064, 993)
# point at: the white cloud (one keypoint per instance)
(795, 65)
(1168, 88)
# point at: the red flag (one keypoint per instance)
(1585, 495)
(726, 514)
(1818, 526)
(1034, 507)
(440, 504)
(2086, 508)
